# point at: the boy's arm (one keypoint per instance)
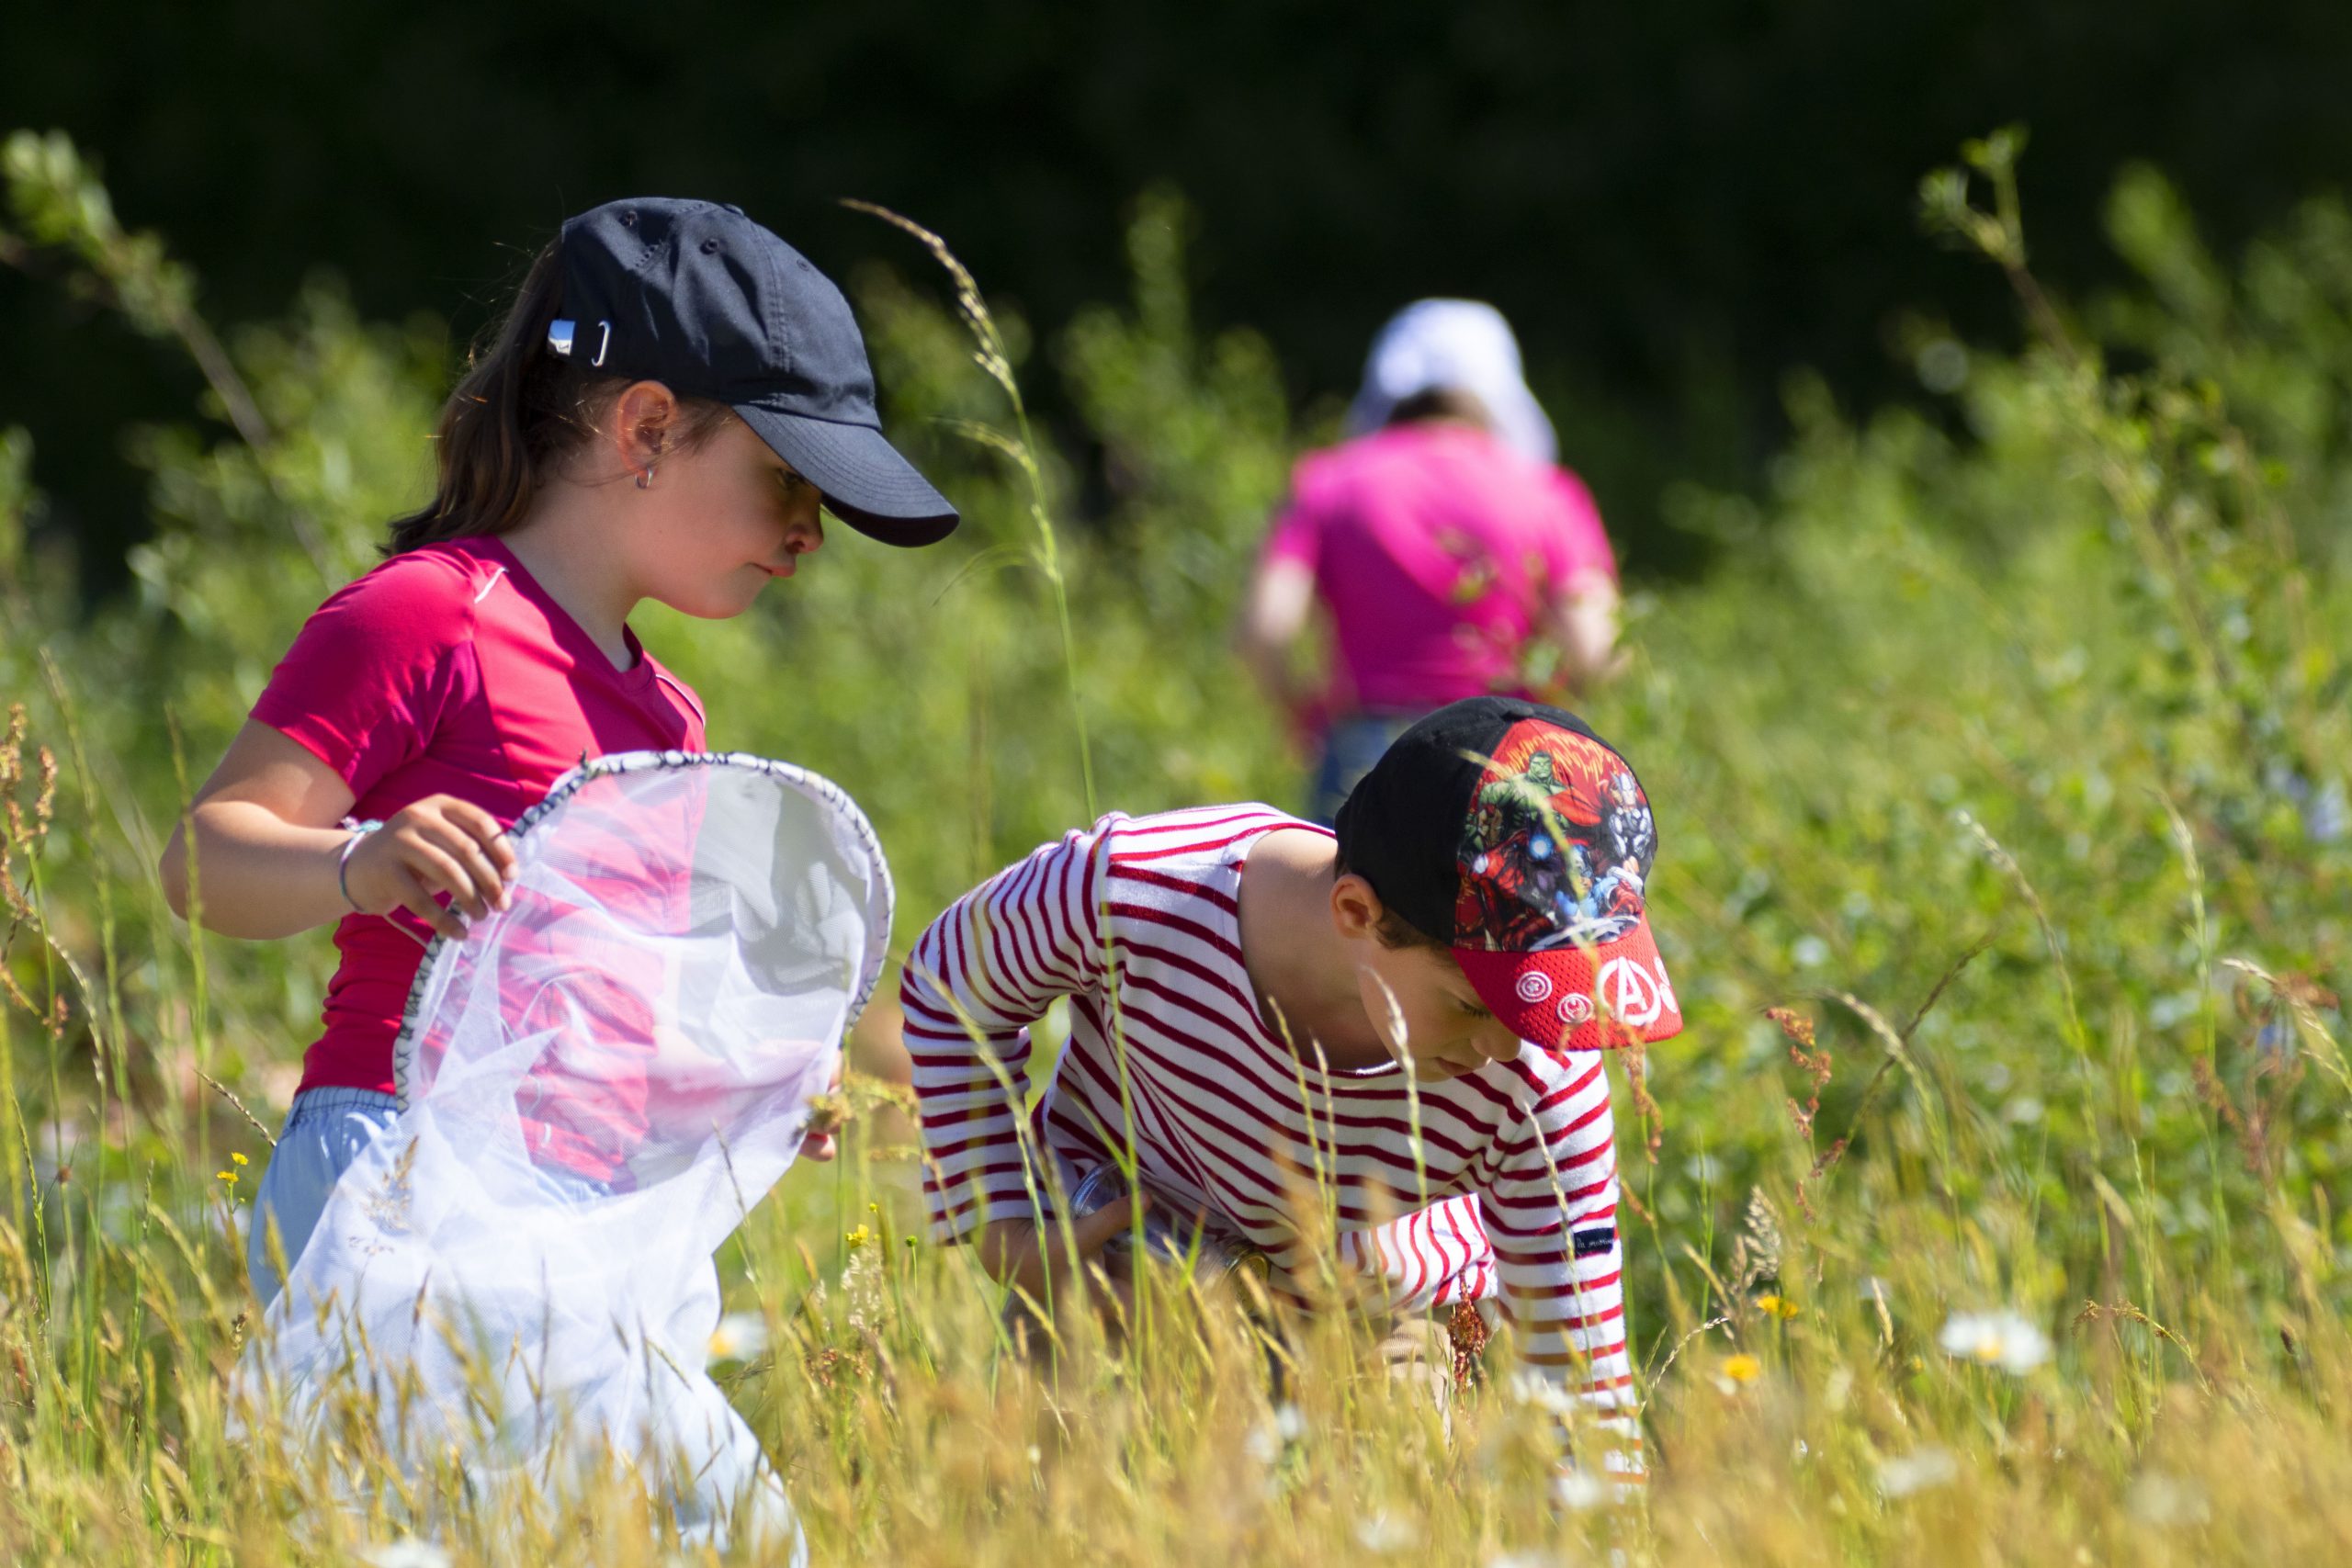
(984, 970)
(1551, 1217)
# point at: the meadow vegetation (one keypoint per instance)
(1987, 1210)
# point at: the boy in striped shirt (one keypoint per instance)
(1476, 922)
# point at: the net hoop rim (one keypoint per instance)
(813, 785)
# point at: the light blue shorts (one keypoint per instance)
(326, 1130)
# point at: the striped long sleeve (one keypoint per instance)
(977, 978)
(1550, 1214)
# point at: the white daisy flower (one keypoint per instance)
(1383, 1531)
(406, 1552)
(738, 1337)
(1578, 1489)
(1269, 1438)
(1920, 1471)
(2007, 1339)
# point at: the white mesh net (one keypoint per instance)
(596, 1083)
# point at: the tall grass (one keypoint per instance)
(2002, 756)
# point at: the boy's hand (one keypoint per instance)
(1027, 1255)
(832, 1110)
(440, 844)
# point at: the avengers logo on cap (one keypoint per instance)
(1549, 921)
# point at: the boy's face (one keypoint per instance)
(1421, 1006)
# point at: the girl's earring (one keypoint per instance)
(645, 477)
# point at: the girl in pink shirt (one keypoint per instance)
(673, 398)
(1455, 558)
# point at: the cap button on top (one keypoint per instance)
(709, 247)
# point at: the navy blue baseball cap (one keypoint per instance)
(697, 297)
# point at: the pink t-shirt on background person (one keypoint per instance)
(1438, 551)
(448, 671)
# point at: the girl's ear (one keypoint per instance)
(642, 418)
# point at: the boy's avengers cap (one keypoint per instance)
(1515, 835)
(701, 299)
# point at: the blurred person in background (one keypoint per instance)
(1454, 557)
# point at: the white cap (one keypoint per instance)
(1456, 346)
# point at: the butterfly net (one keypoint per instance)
(516, 1282)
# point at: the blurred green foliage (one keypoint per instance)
(1675, 205)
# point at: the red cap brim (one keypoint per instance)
(1580, 998)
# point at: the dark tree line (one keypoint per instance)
(1676, 204)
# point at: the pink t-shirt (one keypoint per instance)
(448, 671)
(1438, 551)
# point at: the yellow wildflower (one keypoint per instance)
(239, 1159)
(1778, 1306)
(858, 1237)
(1743, 1368)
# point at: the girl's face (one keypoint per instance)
(720, 522)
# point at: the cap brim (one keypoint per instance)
(1580, 998)
(865, 483)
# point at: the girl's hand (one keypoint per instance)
(439, 845)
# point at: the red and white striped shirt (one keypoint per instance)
(1137, 921)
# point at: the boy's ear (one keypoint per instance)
(1356, 909)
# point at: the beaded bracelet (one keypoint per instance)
(342, 862)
